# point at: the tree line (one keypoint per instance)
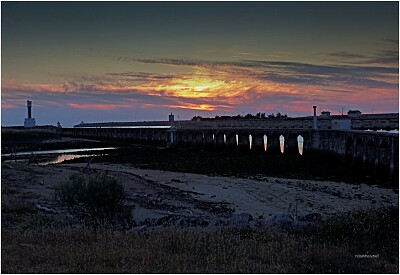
(258, 115)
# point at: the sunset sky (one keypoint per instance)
(127, 61)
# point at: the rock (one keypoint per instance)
(280, 220)
(241, 219)
(166, 220)
(287, 222)
(298, 224)
(253, 224)
(217, 222)
(45, 209)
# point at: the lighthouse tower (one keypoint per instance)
(29, 121)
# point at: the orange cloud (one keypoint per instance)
(260, 85)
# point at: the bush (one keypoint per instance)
(94, 198)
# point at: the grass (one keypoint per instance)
(66, 249)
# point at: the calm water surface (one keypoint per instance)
(58, 156)
(61, 151)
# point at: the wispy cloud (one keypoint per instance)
(225, 86)
(388, 55)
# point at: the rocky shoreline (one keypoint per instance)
(163, 199)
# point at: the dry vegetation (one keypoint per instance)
(43, 245)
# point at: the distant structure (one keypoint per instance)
(353, 113)
(325, 114)
(341, 124)
(59, 125)
(171, 118)
(354, 120)
(29, 121)
(315, 123)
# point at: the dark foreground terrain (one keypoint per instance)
(36, 241)
(359, 242)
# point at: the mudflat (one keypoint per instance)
(155, 193)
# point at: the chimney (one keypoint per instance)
(315, 124)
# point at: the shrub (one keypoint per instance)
(94, 198)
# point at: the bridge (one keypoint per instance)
(371, 149)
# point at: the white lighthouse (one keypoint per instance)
(29, 121)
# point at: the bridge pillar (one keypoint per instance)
(316, 140)
(391, 161)
(231, 140)
(171, 138)
(258, 142)
(291, 144)
(273, 143)
(244, 142)
(209, 138)
(219, 140)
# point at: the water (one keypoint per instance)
(129, 127)
(282, 143)
(61, 151)
(384, 131)
(61, 158)
(61, 155)
(300, 142)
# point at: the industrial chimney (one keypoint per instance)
(315, 124)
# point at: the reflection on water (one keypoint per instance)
(61, 158)
(265, 143)
(127, 127)
(250, 140)
(300, 142)
(57, 151)
(237, 140)
(282, 143)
